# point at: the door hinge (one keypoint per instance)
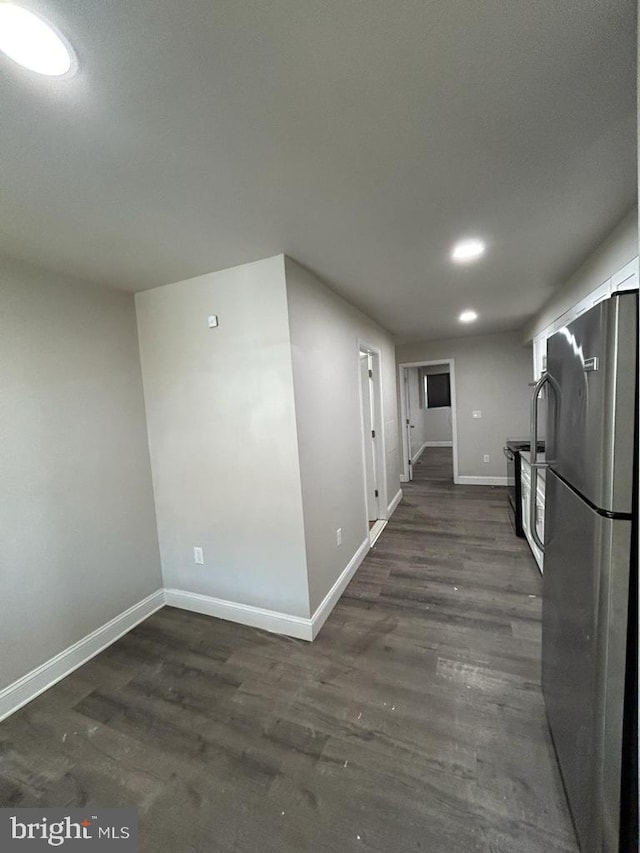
(407, 421)
(409, 462)
(371, 373)
(373, 433)
(376, 493)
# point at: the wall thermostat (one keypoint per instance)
(213, 321)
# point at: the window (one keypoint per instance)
(437, 390)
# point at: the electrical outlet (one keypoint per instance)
(486, 458)
(198, 556)
(339, 536)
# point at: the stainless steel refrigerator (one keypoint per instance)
(589, 611)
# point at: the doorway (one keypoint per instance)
(372, 441)
(429, 424)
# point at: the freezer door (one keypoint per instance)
(584, 622)
(591, 409)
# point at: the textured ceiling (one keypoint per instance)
(362, 137)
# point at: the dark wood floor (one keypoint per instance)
(434, 463)
(414, 722)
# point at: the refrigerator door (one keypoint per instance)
(590, 415)
(584, 621)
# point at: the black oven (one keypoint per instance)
(511, 451)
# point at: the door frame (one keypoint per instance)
(402, 368)
(379, 444)
(369, 435)
(405, 413)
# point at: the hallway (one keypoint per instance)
(414, 722)
(434, 463)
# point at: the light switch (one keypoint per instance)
(477, 414)
(213, 321)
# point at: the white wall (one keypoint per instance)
(437, 427)
(222, 435)
(78, 540)
(620, 247)
(491, 374)
(325, 333)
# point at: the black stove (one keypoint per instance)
(512, 450)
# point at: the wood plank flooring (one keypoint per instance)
(434, 463)
(414, 722)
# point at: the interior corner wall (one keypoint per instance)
(325, 333)
(77, 526)
(222, 436)
(618, 249)
(492, 373)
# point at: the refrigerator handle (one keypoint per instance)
(534, 459)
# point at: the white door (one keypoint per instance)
(407, 420)
(369, 436)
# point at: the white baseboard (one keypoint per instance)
(245, 614)
(56, 668)
(438, 444)
(394, 503)
(418, 454)
(303, 628)
(20, 692)
(481, 481)
(331, 598)
(376, 530)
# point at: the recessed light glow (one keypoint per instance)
(468, 316)
(466, 251)
(31, 42)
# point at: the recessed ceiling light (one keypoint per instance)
(33, 43)
(466, 251)
(468, 316)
